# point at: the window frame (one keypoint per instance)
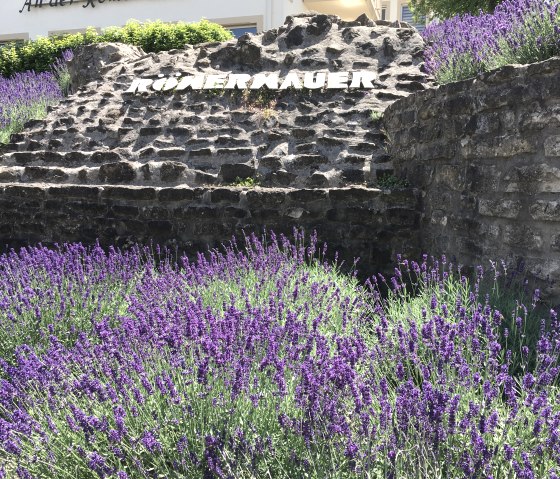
(413, 23)
(70, 31)
(256, 21)
(7, 38)
(385, 11)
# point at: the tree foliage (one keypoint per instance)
(448, 8)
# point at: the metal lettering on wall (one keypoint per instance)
(60, 3)
(243, 81)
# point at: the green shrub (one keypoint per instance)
(40, 54)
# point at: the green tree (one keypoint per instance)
(448, 8)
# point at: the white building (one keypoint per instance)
(28, 19)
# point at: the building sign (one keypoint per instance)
(60, 3)
(243, 81)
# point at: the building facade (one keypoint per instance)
(22, 20)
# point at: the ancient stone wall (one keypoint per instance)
(356, 222)
(482, 156)
(161, 166)
(291, 138)
(486, 153)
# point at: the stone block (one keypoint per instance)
(303, 133)
(230, 142)
(200, 153)
(353, 176)
(304, 196)
(532, 179)
(270, 162)
(309, 161)
(204, 178)
(80, 207)
(330, 142)
(265, 198)
(235, 213)
(555, 243)
(160, 228)
(23, 157)
(499, 208)
(306, 148)
(235, 153)
(23, 191)
(176, 194)
(105, 156)
(71, 191)
(226, 195)
(545, 211)
(9, 175)
(150, 131)
(522, 237)
(129, 193)
(119, 172)
(196, 212)
(317, 180)
(230, 173)
(41, 174)
(76, 157)
(124, 211)
(171, 171)
(451, 176)
(171, 152)
(552, 146)
(403, 216)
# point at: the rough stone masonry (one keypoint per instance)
(482, 156)
(485, 153)
(126, 167)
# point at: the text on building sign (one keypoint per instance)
(60, 3)
(243, 81)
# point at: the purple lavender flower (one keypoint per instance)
(519, 31)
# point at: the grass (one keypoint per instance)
(246, 182)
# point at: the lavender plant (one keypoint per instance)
(61, 72)
(23, 97)
(519, 31)
(26, 96)
(264, 361)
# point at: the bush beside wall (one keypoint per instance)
(40, 54)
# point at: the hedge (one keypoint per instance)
(39, 55)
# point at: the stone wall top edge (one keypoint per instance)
(497, 76)
(77, 187)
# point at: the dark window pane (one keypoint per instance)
(238, 31)
(408, 17)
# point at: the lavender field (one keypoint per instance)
(518, 31)
(263, 361)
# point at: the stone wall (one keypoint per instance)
(120, 167)
(482, 156)
(356, 222)
(298, 139)
(486, 153)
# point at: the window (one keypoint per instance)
(58, 33)
(19, 38)
(385, 12)
(408, 17)
(240, 25)
(3, 43)
(241, 30)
